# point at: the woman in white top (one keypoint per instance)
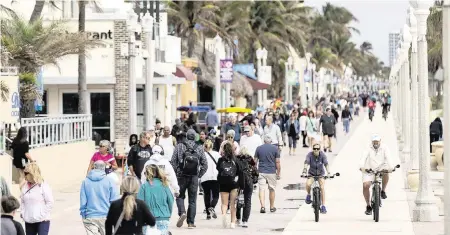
(209, 181)
(303, 121)
(37, 201)
(312, 129)
(230, 139)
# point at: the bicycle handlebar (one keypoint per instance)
(382, 171)
(325, 177)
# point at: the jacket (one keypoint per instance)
(212, 119)
(177, 158)
(158, 198)
(96, 194)
(37, 202)
(163, 164)
(296, 125)
(436, 127)
(211, 172)
(376, 159)
(10, 227)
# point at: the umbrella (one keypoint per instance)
(234, 110)
(194, 108)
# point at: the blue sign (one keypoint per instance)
(15, 100)
(40, 90)
(245, 69)
(307, 76)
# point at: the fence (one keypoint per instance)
(46, 131)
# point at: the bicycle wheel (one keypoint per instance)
(376, 203)
(316, 203)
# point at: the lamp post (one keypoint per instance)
(313, 72)
(414, 93)
(147, 28)
(425, 209)
(406, 92)
(218, 90)
(308, 68)
(264, 63)
(287, 67)
(290, 64)
(132, 111)
(259, 55)
(446, 63)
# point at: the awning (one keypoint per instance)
(184, 72)
(257, 85)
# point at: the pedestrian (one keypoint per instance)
(233, 125)
(328, 122)
(21, 153)
(209, 181)
(268, 160)
(228, 172)
(435, 131)
(104, 154)
(9, 226)
(346, 117)
(167, 142)
(190, 164)
(128, 215)
(293, 131)
(230, 138)
(155, 192)
(248, 170)
(303, 127)
(37, 202)
(139, 155)
(311, 128)
(212, 118)
(274, 132)
(250, 140)
(96, 194)
(164, 165)
(4, 188)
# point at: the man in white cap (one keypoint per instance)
(250, 140)
(377, 158)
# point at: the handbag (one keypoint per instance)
(119, 222)
(314, 128)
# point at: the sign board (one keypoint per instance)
(10, 108)
(292, 77)
(226, 71)
(266, 75)
(40, 89)
(245, 69)
(307, 75)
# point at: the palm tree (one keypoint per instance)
(4, 91)
(32, 45)
(39, 7)
(365, 47)
(82, 82)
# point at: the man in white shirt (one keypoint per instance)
(250, 140)
(274, 132)
(377, 158)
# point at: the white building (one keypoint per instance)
(107, 72)
(394, 43)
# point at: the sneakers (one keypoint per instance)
(191, 226)
(368, 210)
(308, 199)
(263, 210)
(383, 195)
(244, 225)
(208, 217)
(224, 221)
(323, 209)
(273, 209)
(232, 225)
(212, 212)
(181, 220)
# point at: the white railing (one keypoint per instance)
(54, 130)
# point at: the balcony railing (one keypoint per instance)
(47, 131)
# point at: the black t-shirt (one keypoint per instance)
(292, 132)
(137, 158)
(19, 151)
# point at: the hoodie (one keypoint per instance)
(97, 193)
(164, 164)
(158, 198)
(177, 157)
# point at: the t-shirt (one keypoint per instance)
(267, 155)
(316, 164)
(328, 124)
(251, 143)
(108, 158)
(137, 158)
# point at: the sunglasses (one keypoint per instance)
(316, 149)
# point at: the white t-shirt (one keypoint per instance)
(167, 144)
(211, 173)
(251, 143)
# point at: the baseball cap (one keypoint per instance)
(157, 149)
(247, 128)
(376, 137)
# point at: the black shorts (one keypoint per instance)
(226, 188)
(329, 135)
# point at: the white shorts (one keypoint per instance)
(366, 177)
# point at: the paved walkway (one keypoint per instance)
(345, 202)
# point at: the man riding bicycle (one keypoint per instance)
(316, 161)
(377, 158)
(385, 107)
(371, 106)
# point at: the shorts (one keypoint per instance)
(226, 188)
(267, 179)
(366, 177)
(329, 135)
(310, 181)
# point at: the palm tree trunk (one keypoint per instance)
(191, 43)
(82, 83)
(37, 10)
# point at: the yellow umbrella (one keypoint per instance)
(234, 110)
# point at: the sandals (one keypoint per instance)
(263, 210)
(273, 209)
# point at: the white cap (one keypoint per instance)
(157, 149)
(376, 137)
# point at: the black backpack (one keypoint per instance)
(190, 161)
(229, 168)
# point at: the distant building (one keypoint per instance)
(394, 43)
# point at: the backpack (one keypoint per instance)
(229, 168)
(371, 104)
(190, 161)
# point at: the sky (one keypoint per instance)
(377, 18)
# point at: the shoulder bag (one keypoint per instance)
(119, 222)
(214, 160)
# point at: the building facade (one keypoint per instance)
(394, 43)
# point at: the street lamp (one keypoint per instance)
(287, 67)
(425, 209)
(313, 71)
(218, 90)
(147, 28)
(267, 76)
(132, 26)
(259, 56)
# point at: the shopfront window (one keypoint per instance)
(70, 103)
(101, 116)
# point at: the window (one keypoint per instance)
(70, 103)
(101, 116)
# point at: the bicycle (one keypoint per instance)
(385, 114)
(317, 194)
(376, 191)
